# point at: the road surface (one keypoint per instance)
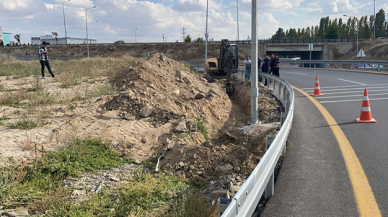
(314, 180)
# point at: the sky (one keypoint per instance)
(149, 20)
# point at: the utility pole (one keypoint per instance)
(64, 18)
(374, 20)
(135, 36)
(183, 33)
(254, 69)
(87, 36)
(163, 37)
(238, 31)
(206, 36)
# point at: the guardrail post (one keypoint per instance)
(222, 205)
(274, 86)
(280, 91)
(284, 147)
(270, 189)
(284, 96)
(268, 141)
(282, 118)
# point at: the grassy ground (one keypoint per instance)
(39, 186)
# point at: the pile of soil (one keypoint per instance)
(164, 90)
(203, 141)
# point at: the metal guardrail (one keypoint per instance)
(376, 62)
(261, 179)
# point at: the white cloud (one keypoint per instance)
(49, 6)
(107, 29)
(118, 19)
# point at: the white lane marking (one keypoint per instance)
(351, 89)
(359, 95)
(351, 100)
(351, 81)
(358, 91)
(296, 73)
(345, 86)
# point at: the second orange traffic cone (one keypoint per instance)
(366, 113)
(317, 89)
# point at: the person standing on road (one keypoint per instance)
(276, 65)
(271, 64)
(42, 52)
(247, 63)
(265, 66)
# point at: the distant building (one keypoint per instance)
(5, 37)
(52, 40)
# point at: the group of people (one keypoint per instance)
(266, 65)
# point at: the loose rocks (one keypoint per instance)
(181, 127)
(200, 96)
(145, 112)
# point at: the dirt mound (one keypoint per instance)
(163, 90)
(203, 141)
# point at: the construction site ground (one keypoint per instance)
(155, 106)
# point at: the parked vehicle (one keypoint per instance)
(360, 66)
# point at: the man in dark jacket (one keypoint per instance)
(276, 65)
(272, 63)
(265, 66)
(42, 52)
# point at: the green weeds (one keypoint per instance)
(202, 128)
(30, 184)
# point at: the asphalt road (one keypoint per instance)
(313, 180)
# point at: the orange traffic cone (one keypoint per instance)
(317, 89)
(366, 114)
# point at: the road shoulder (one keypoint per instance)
(313, 180)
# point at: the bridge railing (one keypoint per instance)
(260, 41)
(261, 179)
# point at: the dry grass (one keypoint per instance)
(77, 69)
(27, 144)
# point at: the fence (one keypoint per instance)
(261, 179)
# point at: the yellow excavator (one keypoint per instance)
(225, 66)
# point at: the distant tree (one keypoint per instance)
(332, 31)
(199, 39)
(292, 34)
(380, 23)
(188, 38)
(17, 38)
(279, 34)
(308, 33)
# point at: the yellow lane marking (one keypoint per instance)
(363, 194)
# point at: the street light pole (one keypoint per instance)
(135, 36)
(238, 31)
(254, 69)
(64, 18)
(374, 20)
(206, 36)
(87, 36)
(357, 30)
